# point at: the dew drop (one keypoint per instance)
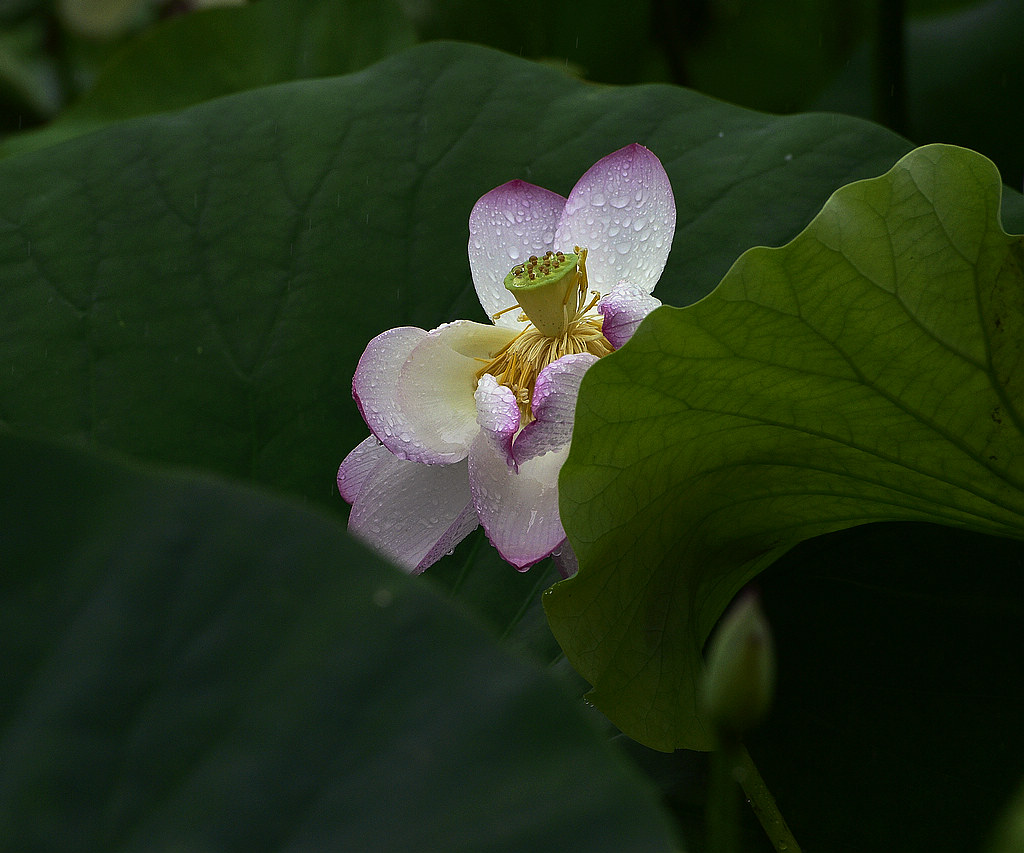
(619, 202)
(597, 199)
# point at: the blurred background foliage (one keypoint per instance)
(932, 70)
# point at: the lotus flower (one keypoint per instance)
(471, 422)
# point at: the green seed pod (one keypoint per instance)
(545, 288)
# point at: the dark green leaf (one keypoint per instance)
(190, 665)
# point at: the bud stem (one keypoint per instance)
(732, 764)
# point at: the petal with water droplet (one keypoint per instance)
(497, 413)
(554, 408)
(415, 388)
(628, 184)
(623, 309)
(412, 513)
(519, 511)
(535, 212)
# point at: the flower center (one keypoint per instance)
(552, 291)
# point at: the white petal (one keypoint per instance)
(413, 514)
(415, 388)
(506, 226)
(622, 210)
(554, 407)
(623, 310)
(497, 413)
(359, 466)
(519, 511)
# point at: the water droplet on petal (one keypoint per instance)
(619, 202)
(597, 199)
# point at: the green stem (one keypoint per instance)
(763, 803)
(723, 814)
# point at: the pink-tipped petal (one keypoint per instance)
(497, 412)
(554, 408)
(413, 514)
(359, 466)
(519, 511)
(415, 388)
(623, 309)
(506, 226)
(623, 211)
(376, 376)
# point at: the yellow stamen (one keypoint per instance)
(517, 364)
(504, 311)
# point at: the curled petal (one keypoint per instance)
(623, 211)
(497, 412)
(554, 407)
(411, 513)
(359, 466)
(415, 388)
(623, 309)
(519, 511)
(506, 226)
(376, 376)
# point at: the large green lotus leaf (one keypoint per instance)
(197, 287)
(215, 52)
(193, 665)
(867, 371)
